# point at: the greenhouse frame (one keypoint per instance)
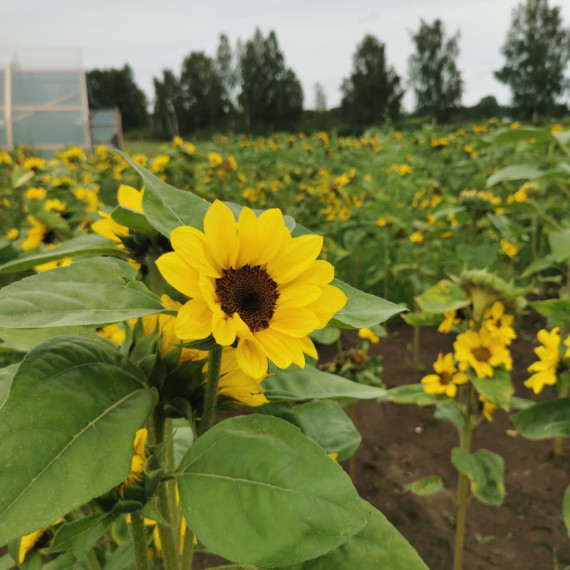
(43, 100)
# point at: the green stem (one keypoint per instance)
(167, 532)
(462, 486)
(188, 552)
(211, 395)
(138, 535)
(340, 350)
(559, 440)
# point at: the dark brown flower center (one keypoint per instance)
(250, 292)
(445, 378)
(482, 353)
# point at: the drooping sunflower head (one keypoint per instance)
(250, 281)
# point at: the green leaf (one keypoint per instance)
(544, 420)
(363, 310)
(93, 291)
(122, 557)
(422, 319)
(514, 172)
(91, 244)
(254, 486)
(166, 207)
(556, 310)
(81, 535)
(413, 394)
(377, 546)
(539, 264)
(326, 423)
(328, 335)
(67, 430)
(6, 377)
(485, 470)
(6, 562)
(566, 508)
(183, 440)
(426, 486)
(25, 339)
(497, 389)
(442, 297)
(560, 245)
(296, 384)
(520, 403)
(133, 220)
(448, 412)
(524, 134)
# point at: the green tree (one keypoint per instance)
(107, 88)
(536, 51)
(167, 104)
(227, 70)
(271, 96)
(373, 91)
(202, 105)
(433, 72)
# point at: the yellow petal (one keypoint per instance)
(179, 274)
(294, 258)
(221, 234)
(276, 350)
(248, 238)
(272, 234)
(251, 358)
(330, 303)
(194, 320)
(191, 245)
(298, 295)
(130, 197)
(319, 272)
(295, 321)
(223, 328)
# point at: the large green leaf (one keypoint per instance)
(524, 134)
(296, 384)
(325, 422)
(442, 297)
(23, 340)
(485, 470)
(544, 420)
(91, 244)
(81, 535)
(377, 546)
(514, 172)
(166, 207)
(497, 389)
(93, 291)
(557, 311)
(67, 430)
(6, 377)
(560, 245)
(133, 220)
(413, 394)
(255, 490)
(363, 310)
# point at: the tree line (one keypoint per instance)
(249, 87)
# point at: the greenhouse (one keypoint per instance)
(43, 99)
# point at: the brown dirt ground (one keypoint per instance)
(401, 444)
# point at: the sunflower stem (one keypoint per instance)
(138, 536)
(462, 485)
(211, 395)
(559, 440)
(168, 532)
(188, 552)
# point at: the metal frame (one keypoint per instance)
(11, 107)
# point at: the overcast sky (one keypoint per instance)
(318, 37)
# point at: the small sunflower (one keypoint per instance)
(450, 319)
(446, 379)
(480, 351)
(549, 355)
(498, 323)
(251, 281)
(137, 462)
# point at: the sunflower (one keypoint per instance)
(251, 281)
(549, 355)
(450, 319)
(498, 323)
(480, 351)
(446, 379)
(137, 462)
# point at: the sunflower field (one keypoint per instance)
(187, 333)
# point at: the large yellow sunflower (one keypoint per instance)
(480, 351)
(251, 281)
